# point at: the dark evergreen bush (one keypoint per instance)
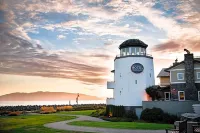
(131, 114)
(157, 115)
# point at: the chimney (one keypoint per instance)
(190, 89)
(176, 61)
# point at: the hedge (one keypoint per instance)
(158, 116)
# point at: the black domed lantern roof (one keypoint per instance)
(133, 43)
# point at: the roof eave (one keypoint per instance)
(168, 69)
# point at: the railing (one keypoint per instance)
(197, 57)
(163, 84)
(133, 55)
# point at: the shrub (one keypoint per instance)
(14, 113)
(64, 108)
(4, 112)
(99, 112)
(116, 119)
(88, 107)
(114, 111)
(47, 110)
(131, 114)
(157, 115)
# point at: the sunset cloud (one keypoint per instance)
(18, 56)
(78, 40)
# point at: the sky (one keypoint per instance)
(70, 45)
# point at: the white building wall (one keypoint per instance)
(110, 101)
(132, 94)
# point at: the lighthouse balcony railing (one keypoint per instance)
(110, 85)
(110, 101)
(129, 55)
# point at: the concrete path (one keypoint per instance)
(62, 125)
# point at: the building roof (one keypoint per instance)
(163, 73)
(134, 43)
(167, 69)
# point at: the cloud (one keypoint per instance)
(20, 57)
(186, 41)
(60, 37)
(101, 18)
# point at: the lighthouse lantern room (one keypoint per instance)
(133, 73)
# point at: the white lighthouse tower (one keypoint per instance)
(133, 73)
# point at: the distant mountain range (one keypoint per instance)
(46, 96)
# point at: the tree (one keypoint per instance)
(152, 92)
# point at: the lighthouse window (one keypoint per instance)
(137, 51)
(142, 51)
(123, 52)
(132, 50)
(127, 51)
(135, 81)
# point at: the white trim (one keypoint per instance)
(179, 95)
(199, 95)
(178, 76)
(177, 69)
(183, 82)
(198, 77)
(169, 96)
(170, 77)
(177, 82)
(196, 68)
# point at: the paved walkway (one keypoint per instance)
(62, 125)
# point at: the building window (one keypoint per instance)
(150, 74)
(180, 76)
(198, 75)
(167, 96)
(181, 95)
(199, 95)
(135, 81)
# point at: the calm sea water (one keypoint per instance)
(16, 103)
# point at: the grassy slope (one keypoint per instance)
(31, 123)
(123, 125)
(83, 112)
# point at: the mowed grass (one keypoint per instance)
(82, 112)
(123, 125)
(31, 123)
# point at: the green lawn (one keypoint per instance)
(31, 124)
(123, 125)
(83, 112)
